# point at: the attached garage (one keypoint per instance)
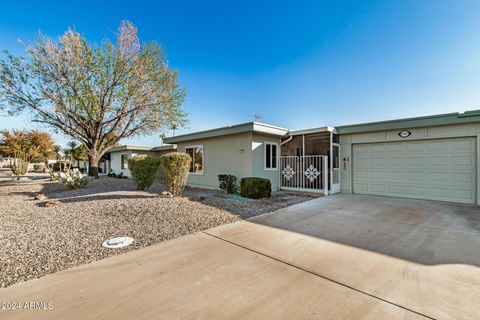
(433, 169)
(432, 158)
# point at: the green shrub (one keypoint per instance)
(176, 166)
(143, 169)
(255, 188)
(38, 167)
(58, 166)
(227, 183)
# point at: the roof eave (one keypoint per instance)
(223, 131)
(428, 121)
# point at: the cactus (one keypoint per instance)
(20, 165)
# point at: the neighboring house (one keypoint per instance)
(5, 161)
(119, 156)
(433, 157)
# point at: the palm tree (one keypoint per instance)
(57, 151)
(70, 152)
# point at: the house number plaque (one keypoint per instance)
(404, 133)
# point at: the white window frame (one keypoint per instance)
(265, 143)
(193, 160)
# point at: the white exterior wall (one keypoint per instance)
(451, 131)
(116, 160)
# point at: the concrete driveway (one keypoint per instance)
(338, 257)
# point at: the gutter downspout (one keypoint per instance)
(288, 140)
(280, 151)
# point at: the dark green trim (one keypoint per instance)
(427, 121)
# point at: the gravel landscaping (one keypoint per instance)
(36, 240)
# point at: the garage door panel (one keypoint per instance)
(376, 175)
(395, 188)
(361, 149)
(415, 161)
(395, 162)
(434, 177)
(417, 176)
(362, 187)
(360, 162)
(462, 177)
(395, 148)
(414, 190)
(437, 146)
(467, 146)
(376, 148)
(463, 160)
(440, 169)
(375, 162)
(361, 176)
(437, 191)
(377, 188)
(437, 160)
(395, 175)
(462, 193)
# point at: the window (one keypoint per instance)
(271, 155)
(124, 161)
(196, 152)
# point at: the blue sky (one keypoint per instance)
(299, 64)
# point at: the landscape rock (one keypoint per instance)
(40, 196)
(196, 198)
(52, 203)
(166, 194)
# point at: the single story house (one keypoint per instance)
(432, 157)
(119, 156)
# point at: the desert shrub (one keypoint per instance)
(38, 167)
(143, 169)
(227, 183)
(176, 166)
(255, 188)
(58, 166)
(19, 166)
(73, 179)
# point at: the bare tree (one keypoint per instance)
(96, 95)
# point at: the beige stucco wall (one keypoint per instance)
(229, 154)
(346, 141)
(239, 154)
(258, 158)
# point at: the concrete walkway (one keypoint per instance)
(340, 257)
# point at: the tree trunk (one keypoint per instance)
(93, 160)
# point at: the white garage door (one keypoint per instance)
(437, 169)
